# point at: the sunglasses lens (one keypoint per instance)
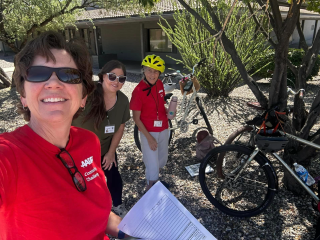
(38, 74)
(112, 76)
(122, 79)
(42, 73)
(69, 75)
(66, 159)
(79, 182)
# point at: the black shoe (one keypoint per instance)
(165, 184)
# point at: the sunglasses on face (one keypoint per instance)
(42, 74)
(112, 77)
(76, 176)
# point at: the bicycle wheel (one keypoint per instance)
(204, 115)
(137, 136)
(248, 195)
(241, 136)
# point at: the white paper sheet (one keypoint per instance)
(193, 170)
(158, 215)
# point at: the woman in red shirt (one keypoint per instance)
(149, 114)
(51, 182)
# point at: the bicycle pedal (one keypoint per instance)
(195, 121)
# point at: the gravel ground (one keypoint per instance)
(289, 216)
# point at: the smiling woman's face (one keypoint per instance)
(53, 101)
(151, 74)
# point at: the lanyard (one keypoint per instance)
(150, 88)
(157, 102)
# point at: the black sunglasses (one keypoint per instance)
(77, 177)
(42, 74)
(112, 77)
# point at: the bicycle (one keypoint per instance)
(180, 120)
(244, 182)
(243, 135)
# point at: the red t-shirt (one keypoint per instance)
(38, 197)
(149, 105)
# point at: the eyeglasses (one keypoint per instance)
(42, 74)
(112, 77)
(77, 177)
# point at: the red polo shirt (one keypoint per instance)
(150, 105)
(38, 197)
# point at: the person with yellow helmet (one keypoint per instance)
(149, 114)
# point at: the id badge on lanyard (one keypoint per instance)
(110, 128)
(157, 123)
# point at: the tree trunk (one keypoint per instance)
(308, 61)
(278, 89)
(299, 113)
(4, 79)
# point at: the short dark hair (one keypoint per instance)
(42, 46)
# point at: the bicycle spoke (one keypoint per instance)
(243, 194)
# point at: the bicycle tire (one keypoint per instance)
(137, 137)
(238, 133)
(253, 191)
(242, 138)
(204, 115)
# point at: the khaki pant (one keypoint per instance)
(153, 160)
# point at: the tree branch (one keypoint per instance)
(277, 17)
(313, 53)
(269, 15)
(263, 31)
(312, 117)
(302, 39)
(198, 17)
(230, 49)
(292, 67)
(49, 19)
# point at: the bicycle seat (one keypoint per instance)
(171, 74)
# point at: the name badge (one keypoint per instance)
(109, 129)
(157, 123)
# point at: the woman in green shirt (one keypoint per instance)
(106, 112)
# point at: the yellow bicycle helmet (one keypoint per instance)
(154, 61)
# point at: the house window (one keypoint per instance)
(159, 41)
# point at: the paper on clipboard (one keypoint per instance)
(158, 215)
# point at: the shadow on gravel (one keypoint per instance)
(8, 104)
(230, 109)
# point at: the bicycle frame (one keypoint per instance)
(185, 113)
(256, 151)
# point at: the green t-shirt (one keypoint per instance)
(116, 116)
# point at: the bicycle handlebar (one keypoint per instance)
(198, 64)
(289, 90)
(301, 92)
(193, 68)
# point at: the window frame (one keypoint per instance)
(174, 49)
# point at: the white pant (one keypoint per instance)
(153, 160)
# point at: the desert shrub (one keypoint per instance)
(219, 76)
